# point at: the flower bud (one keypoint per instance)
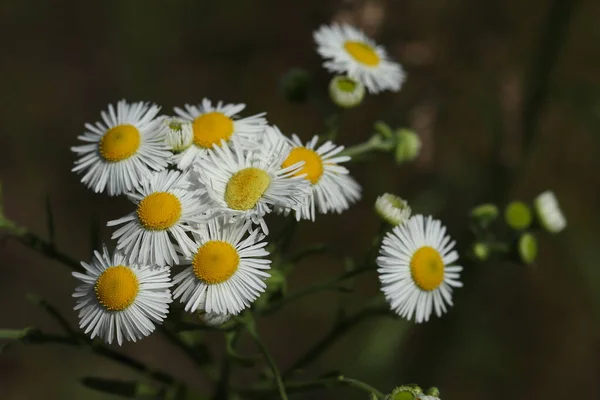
(392, 209)
(179, 134)
(527, 248)
(548, 212)
(408, 145)
(346, 92)
(518, 215)
(481, 251)
(485, 214)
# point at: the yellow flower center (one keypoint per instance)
(116, 288)
(159, 211)
(313, 165)
(362, 52)
(215, 262)
(246, 187)
(119, 143)
(210, 128)
(427, 268)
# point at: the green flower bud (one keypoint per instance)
(295, 85)
(481, 251)
(406, 392)
(346, 92)
(518, 215)
(527, 247)
(433, 391)
(408, 145)
(485, 214)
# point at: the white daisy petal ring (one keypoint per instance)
(349, 51)
(226, 272)
(123, 149)
(415, 268)
(121, 301)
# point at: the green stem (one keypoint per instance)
(251, 326)
(375, 143)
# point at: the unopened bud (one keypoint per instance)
(408, 145)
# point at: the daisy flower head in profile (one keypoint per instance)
(123, 149)
(119, 300)
(348, 51)
(213, 124)
(226, 271)
(249, 184)
(415, 268)
(165, 210)
(323, 171)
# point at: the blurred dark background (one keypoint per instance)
(473, 67)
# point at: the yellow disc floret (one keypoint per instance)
(246, 187)
(210, 128)
(362, 52)
(313, 165)
(159, 211)
(427, 268)
(116, 288)
(119, 143)
(215, 262)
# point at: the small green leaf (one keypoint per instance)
(16, 334)
(383, 129)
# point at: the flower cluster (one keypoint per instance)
(201, 184)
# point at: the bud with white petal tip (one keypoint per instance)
(392, 209)
(215, 319)
(346, 92)
(548, 212)
(179, 134)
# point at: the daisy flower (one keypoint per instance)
(213, 124)
(165, 208)
(322, 170)
(392, 209)
(123, 149)
(248, 184)
(414, 268)
(226, 271)
(349, 51)
(549, 213)
(121, 300)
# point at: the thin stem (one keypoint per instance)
(40, 245)
(338, 330)
(375, 143)
(332, 284)
(251, 326)
(78, 340)
(304, 386)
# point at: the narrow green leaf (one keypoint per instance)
(15, 334)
